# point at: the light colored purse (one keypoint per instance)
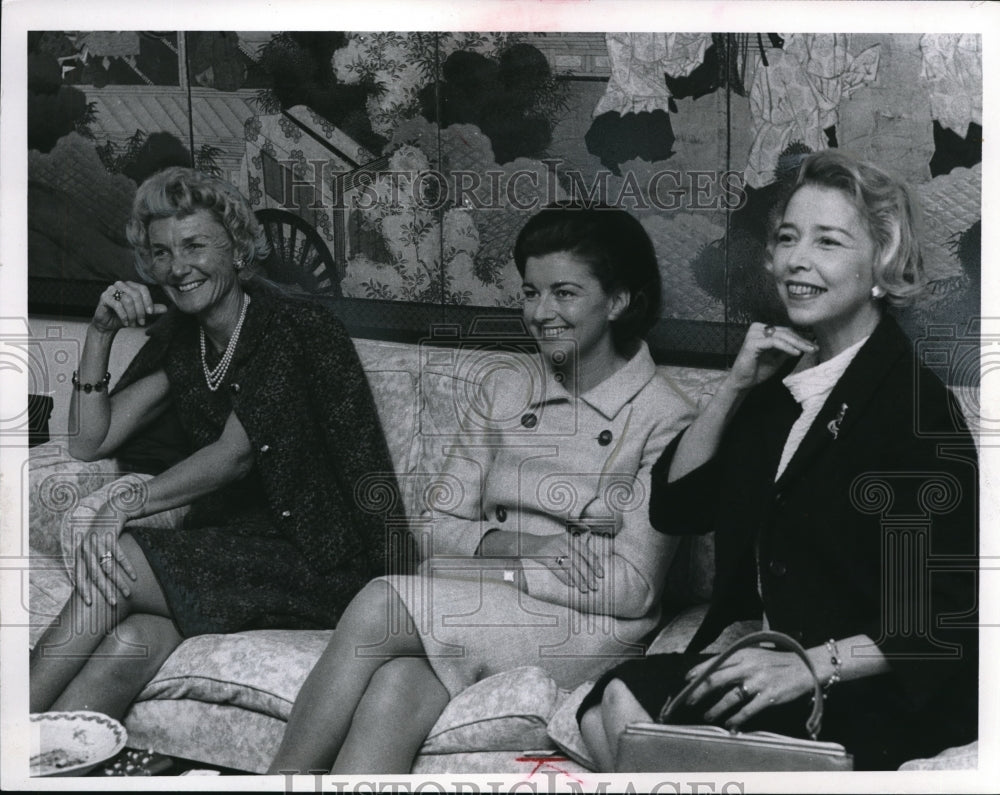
(661, 747)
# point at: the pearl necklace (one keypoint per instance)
(215, 376)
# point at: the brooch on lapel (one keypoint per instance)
(833, 426)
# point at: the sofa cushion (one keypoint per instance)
(217, 734)
(192, 730)
(564, 731)
(444, 402)
(504, 712)
(395, 397)
(261, 670)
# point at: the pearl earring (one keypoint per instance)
(878, 292)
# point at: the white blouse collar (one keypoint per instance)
(819, 379)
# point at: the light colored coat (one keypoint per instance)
(534, 459)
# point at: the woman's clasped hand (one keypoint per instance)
(576, 559)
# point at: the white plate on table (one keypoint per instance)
(73, 743)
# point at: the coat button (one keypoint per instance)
(285, 514)
(235, 388)
(777, 568)
(604, 438)
(780, 499)
(264, 448)
(501, 513)
(529, 420)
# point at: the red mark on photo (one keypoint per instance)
(548, 762)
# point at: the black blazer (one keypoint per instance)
(872, 532)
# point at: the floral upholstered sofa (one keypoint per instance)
(224, 699)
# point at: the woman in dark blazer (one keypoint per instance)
(840, 481)
(280, 433)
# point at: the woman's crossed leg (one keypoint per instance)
(356, 711)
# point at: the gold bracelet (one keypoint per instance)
(835, 661)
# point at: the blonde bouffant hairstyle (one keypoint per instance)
(885, 206)
(177, 192)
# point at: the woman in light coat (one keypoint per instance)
(540, 549)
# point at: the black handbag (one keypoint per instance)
(661, 747)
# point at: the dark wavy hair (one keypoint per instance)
(617, 249)
(177, 192)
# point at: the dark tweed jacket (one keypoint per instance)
(321, 461)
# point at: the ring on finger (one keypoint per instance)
(745, 695)
(107, 559)
(768, 331)
(117, 295)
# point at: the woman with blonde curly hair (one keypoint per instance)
(279, 426)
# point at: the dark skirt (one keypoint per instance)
(866, 716)
(243, 573)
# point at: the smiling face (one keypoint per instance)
(565, 303)
(823, 264)
(192, 259)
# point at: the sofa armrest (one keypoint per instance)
(961, 757)
(57, 484)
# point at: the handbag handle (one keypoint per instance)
(781, 641)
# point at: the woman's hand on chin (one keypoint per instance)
(125, 304)
(765, 349)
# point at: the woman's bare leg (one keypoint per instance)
(390, 725)
(619, 708)
(321, 717)
(70, 640)
(121, 666)
(592, 730)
